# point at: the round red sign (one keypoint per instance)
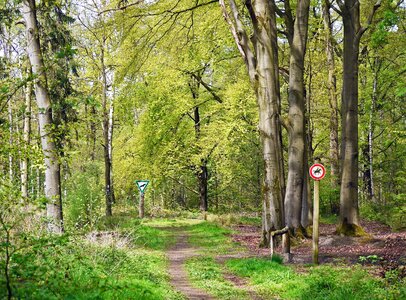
(317, 171)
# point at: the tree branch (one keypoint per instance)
(370, 18)
(207, 87)
(240, 37)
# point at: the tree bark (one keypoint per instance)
(26, 138)
(296, 123)
(261, 60)
(106, 140)
(110, 146)
(306, 216)
(52, 171)
(202, 177)
(371, 127)
(10, 141)
(332, 89)
(349, 212)
(202, 172)
(7, 57)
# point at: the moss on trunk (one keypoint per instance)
(347, 229)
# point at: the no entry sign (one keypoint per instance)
(317, 171)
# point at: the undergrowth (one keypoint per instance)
(273, 280)
(122, 260)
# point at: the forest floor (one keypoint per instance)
(179, 258)
(381, 249)
(211, 262)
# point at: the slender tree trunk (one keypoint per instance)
(7, 56)
(93, 133)
(371, 186)
(26, 138)
(10, 141)
(202, 177)
(332, 89)
(52, 171)
(106, 140)
(296, 123)
(202, 172)
(110, 146)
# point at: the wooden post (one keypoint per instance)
(141, 206)
(316, 223)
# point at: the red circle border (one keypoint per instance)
(317, 165)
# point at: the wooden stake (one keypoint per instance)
(316, 223)
(141, 207)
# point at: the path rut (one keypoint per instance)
(177, 256)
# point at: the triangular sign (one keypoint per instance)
(142, 185)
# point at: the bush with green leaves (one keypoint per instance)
(83, 206)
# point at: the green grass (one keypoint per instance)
(205, 273)
(161, 222)
(212, 238)
(76, 268)
(273, 280)
(153, 238)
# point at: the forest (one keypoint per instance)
(163, 149)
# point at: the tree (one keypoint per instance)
(260, 54)
(45, 118)
(353, 31)
(26, 137)
(332, 88)
(296, 32)
(96, 25)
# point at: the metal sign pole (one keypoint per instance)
(316, 223)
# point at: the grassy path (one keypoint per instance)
(205, 263)
(197, 262)
(177, 255)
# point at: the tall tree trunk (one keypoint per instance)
(203, 177)
(26, 138)
(349, 212)
(52, 171)
(106, 140)
(260, 56)
(332, 89)
(201, 173)
(371, 181)
(110, 146)
(7, 57)
(296, 121)
(353, 31)
(10, 141)
(93, 132)
(306, 212)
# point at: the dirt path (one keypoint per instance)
(178, 255)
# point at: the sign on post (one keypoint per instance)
(142, 185)
(317, 172)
